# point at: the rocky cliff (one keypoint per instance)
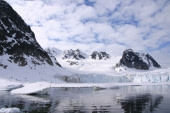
(73, 54)
(17, 41)
(100, 55)
(137, 60)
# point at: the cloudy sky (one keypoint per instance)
(106, 25)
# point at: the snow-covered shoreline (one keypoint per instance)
(42, 87)
(155, 77)
(86, 73)
(27, 81)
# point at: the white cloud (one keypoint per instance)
(162, 56)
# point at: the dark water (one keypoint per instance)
(125, 99)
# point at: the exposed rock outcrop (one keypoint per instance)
(73, 54)
(100, 55)
(137, 60)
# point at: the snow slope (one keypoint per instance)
(36, 82)
(87, 73)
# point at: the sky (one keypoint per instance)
(102, 25)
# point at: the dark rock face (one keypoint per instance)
(17, 40)
(73, 54)
(100, 55)
(137, 60)
(72, 63)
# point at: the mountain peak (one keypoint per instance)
(137, 60)
(100, 55)
(73, 54)
(17, 39)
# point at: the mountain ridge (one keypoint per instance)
(18, 40)
(137, 60)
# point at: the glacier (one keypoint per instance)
(161, 75)
(126, 78)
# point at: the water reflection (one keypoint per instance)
(27, 103)
(129, 99)
(145, 103)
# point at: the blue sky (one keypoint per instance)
(105, 25)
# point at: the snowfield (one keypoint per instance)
(86, 73)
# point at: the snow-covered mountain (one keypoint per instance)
(137, 60)
(17, 41)
(54, 51)
(22, 61)
(100, 55)
(73, 54)
(77, 54)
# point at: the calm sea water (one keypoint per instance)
(125, 99)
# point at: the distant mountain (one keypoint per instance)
(100, 55)
(137, 60)
(73, 54)
(54, 51)
(17, 42)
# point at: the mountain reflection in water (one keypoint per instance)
(145, 103)
(125, 99)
